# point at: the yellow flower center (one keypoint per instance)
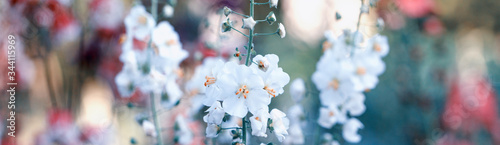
(271, 91)
(243, 90)
(210, 80)
(361, 71)
(335, 84)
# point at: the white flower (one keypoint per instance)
(280, 124)
(350, 129)
(274, 77)
(248, 23)
(168, 11)
(259, 122)
(378, 45)
(281, 30)
(183, 133)
(215, 114)
(297, 90)
(149, 128)
(125, 81)
(355, 104)
(169, 47)
(212, 130)
(367, 68)
(154, 81)
(139, 22)
(273, 3)
(265, 63)
(296, 114)
(196, 85)
(348, 41)
(334, 79)
(330, 116)
(243, 90)
(214, 70)
(296, 136)
(173, 91)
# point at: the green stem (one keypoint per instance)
(154, 9)
(262, 34)
(239, 32)
(247, 63)
(258, 21)
(155, 118)
(244, 129)
(231, 128)
(359, 17)
(246, 16)
(262, 3)
(154, 12)
(250, 41)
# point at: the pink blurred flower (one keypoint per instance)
(471, 104)
(415, 8)
(433, 26)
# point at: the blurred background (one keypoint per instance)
(440, 85)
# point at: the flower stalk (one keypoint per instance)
(154, 12)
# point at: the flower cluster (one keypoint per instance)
(153, 69)
(238, 89)
(233, 89)
(348, 67)
(296, 113)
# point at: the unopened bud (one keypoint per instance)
(271, 18)
(227, 11)
(281, 31)
(226, 26)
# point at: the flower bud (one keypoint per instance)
(380, 24)
(338, 16)
(227, 11)
(364, 9)
(281, 31)
(226, 26)
(273, 3)
(168, 11)
(271, 18)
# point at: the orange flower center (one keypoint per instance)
(271, 91)
(331, 113)
(326, 45)
(243, 90)
(257, 118)
(123, 38)
(142, 20)
(377, 48)
(262, 66)
(335, 84)
(210, 80)
(361, 71)
(171, 42)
